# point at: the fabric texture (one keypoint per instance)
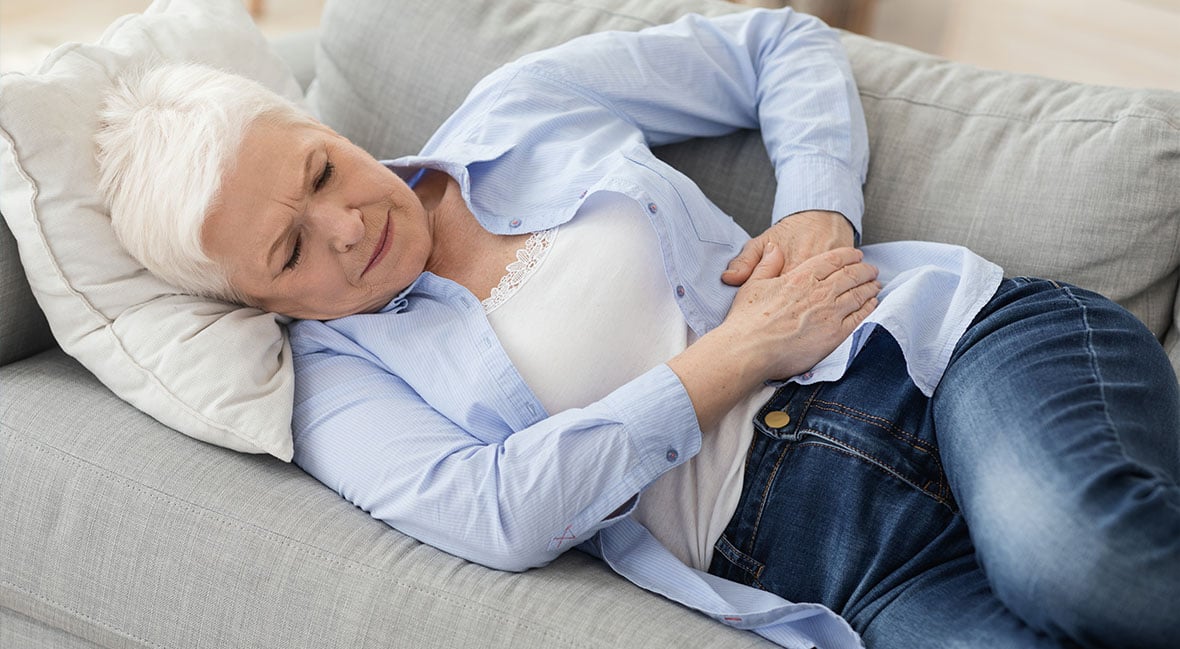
(213, 371)
(23, 329)
(560, 327)
(23, 632)
(129, 536)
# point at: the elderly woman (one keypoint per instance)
(535, 335)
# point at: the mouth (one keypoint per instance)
(382, 246)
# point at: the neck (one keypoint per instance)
(455, 234)
(461, 249)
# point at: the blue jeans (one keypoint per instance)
(1031, 502)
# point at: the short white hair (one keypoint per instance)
(167, 136)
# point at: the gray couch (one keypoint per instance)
(117, 532)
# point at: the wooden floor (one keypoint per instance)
(1117, 42)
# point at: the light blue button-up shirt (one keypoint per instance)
(416, 414)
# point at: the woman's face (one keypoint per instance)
(311, 226)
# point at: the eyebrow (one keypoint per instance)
(283, 236)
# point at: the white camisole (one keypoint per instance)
(587, 307)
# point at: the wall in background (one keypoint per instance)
(1114, 42)
(1117, 42)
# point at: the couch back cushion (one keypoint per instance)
(1047, 178)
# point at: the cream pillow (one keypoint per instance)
(216, 372)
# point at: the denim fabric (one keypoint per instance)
(1031, 502)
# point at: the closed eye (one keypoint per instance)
(320, 182)
(296, 254)
(324, 176)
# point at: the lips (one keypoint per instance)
(382, 247)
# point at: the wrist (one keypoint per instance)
(717, 371)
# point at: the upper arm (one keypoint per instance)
(781, 72)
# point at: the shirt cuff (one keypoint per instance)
(660, 419)
(819, 183)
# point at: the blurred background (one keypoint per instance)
(1133, 43)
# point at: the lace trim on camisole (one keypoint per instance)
(518, 272)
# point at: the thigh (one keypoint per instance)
(1059, 428)
(948, 605)
(845, 503)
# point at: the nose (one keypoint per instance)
(342, 226)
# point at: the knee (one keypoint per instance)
(1101, 572)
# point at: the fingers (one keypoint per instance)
(740, 267)
(824, 264)
(855, 298)
(771, 263)
(853, 320)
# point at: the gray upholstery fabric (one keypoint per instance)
(388, 73)
(118, 532)
(21, 632)
(1082, 173)
(124, 533)
(23, 328)
(298, 51)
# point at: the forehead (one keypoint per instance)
(260, 189)
(270, 146)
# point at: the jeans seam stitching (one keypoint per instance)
(888, 426)
(884, 466)
(891, 428)
(749, 550)
(1092, 358)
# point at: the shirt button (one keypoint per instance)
(680, 291)
(651, 207)
(777, 419)
(672, 455)
(807, 375)
(514, 223)
(583, 195)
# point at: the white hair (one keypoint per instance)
(166, 138)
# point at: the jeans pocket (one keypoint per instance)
(875, 414)
(930, 486)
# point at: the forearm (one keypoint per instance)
(717, 372)
(779, 325)
(781, 72)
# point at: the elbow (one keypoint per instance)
(507, 564)
(513, 558)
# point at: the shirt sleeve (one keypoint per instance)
(782, 72)
(511, 503)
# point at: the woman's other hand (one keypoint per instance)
(800, 236)
(788, 321)
(780, 325)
